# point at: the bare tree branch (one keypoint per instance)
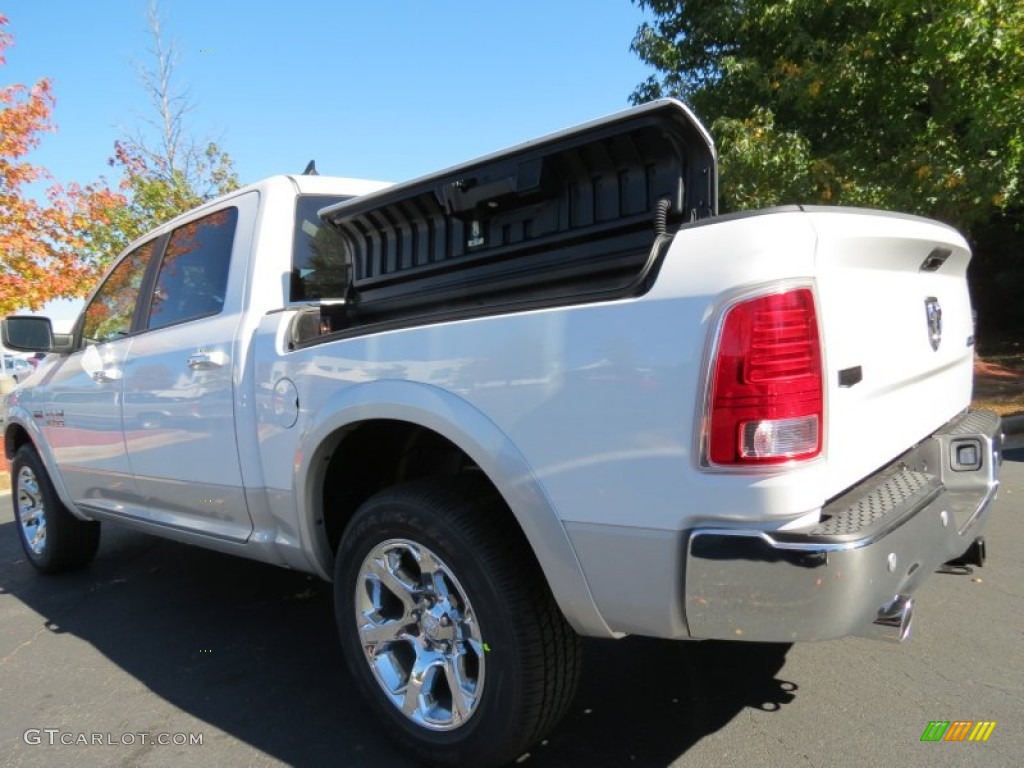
(175, 157)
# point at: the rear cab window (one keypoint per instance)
(320, 268)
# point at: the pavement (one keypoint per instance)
(160, 638)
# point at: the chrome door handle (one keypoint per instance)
(204, 361)
(107, 375)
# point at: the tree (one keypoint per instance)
(43, 247)
(916, 105)
(188, 171)
(167, 173)
(153, 195)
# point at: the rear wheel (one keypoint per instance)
(448, 625)
(53, 539)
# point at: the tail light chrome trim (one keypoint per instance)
(718, 314)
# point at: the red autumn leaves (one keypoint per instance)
(41, 240)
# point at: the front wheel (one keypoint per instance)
(448, 625)
(53, 539)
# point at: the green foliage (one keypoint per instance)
(916, 105)
(156, 193)
(767, 166)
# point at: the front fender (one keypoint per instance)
(18, 416)
(472, 431)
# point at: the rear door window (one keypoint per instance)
(193, 277)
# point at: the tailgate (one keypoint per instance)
(898, 335)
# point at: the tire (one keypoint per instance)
(54, 540)
(436, 575)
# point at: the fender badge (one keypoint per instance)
(934, 313)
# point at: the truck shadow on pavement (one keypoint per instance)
(251, 650)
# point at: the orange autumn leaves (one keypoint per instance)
(42, 243)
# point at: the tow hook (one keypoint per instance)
(974, 555)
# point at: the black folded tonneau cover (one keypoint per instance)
(570, 217)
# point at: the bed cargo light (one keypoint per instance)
(766, 399)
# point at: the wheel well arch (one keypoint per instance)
(24, 432)
(15, 436)
(381, 433)
(363, 458)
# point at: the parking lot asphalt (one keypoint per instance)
(159, 641)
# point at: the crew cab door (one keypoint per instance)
(179, 377)
(81, 414)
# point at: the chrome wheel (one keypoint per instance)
(31, 510)
(419, 634)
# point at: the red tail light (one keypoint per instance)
(766, 382)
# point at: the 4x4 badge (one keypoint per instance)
(934, 312)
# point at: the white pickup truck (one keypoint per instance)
(544, 394)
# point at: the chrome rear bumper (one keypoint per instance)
(851, 573)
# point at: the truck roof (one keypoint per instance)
(312, 185)
(280, 183)
(307, 185)
(332, 185)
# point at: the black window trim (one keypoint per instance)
(149, 284)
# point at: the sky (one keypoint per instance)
(379, 90)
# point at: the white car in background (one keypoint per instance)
(17, 368)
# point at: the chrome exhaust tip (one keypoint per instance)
(893, 620)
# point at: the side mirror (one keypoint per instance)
(26, 333)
